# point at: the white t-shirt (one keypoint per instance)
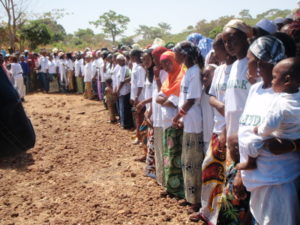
(78, 67)
(236, 94)
(156, 108)
(114, 71)
(70, 65)
(283, 118)
(148, 92)
(52, 67)
(89, 72)
(218, 89)
(16, 70)
(168, 113)
(207, 117)
(271, 169)
(138, 78)
(121, 77)
(43, 62)
(191, 88)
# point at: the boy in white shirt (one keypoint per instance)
(283, 119)
(89, 73)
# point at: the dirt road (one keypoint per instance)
(81, 171)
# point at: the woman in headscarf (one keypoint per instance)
(172, 137)
(274, 182)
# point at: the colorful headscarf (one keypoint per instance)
(194, 38)
(205, 45)
(171, 85)
(268, 48)
(157, 52)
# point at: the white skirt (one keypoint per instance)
(276, 204)
(19, 86)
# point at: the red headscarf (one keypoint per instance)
(157, 52)
(171, 85)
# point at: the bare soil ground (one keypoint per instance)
(81, 171)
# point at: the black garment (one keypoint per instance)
(16, 131)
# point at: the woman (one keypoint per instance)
(70, 72)
(160, 76)
(172, 137)
(275, 182)
(17, 74)
(190, 113)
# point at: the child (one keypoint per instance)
(17, 73)
(283, 119)
(110, 99)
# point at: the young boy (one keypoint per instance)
(283, 118)
(111, 100)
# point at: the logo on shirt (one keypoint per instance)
(250, 120)
(240, 84)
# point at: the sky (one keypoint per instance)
(178, 13)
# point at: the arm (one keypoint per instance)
(218, 105)
(141, 104)
(184, 109)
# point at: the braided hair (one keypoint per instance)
(191, 51)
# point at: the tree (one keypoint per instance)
(15, 13)
(150, 33)
(245, 14)
(36, 33)
(112, 23)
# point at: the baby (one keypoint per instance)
(283, 119)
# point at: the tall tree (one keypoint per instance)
(36, 33)
(112, 23)
(15, 13)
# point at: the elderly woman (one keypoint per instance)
(275, 181)
(168, 98)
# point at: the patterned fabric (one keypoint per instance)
(88, 92)
(53, 83)
(79, 83)
(111, 100)
(172, 144)
(233, 211)
(205, 45)
(213, 180)
(191, 159)
(70, 78)
(268, 49)
(150, 159)
(158, 147)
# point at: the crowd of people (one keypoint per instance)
(218, 120)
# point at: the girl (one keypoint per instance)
(190, 112)
(137, 90)
(160, 76)
(172, 137)
(111, 99)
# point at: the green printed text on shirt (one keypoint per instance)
(250, 120)
(241, 84)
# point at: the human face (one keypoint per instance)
(167, 65)
(207, 77)
(220, 52)
(253, 68)
(147, 61)
(278, 81)
(233, 41)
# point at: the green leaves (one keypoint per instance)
(112, 23)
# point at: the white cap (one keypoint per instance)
(267, 25)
